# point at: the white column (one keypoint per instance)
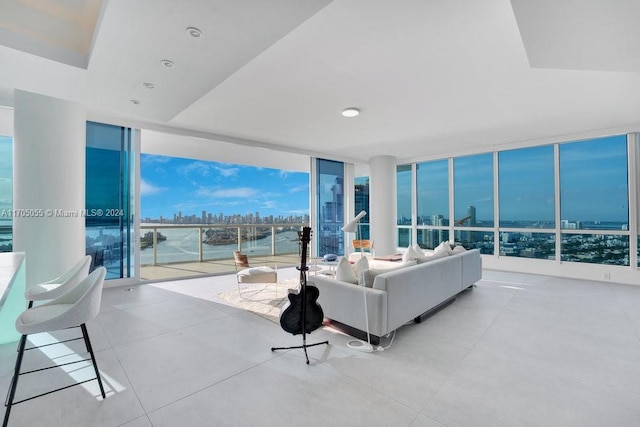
(48, 175)
(382, 204)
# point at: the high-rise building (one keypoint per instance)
(471, 213)
(361, 203)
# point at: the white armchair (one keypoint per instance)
(61, 284)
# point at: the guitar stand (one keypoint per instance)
(304, 319)
(304, 346)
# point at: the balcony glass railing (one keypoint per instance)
(6, 238)
(164, 244)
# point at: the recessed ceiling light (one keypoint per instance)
(194, 32)
(148, 85)
(350, 112)
(167, 63)
(135, 101)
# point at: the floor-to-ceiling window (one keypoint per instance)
(473, 202)
(361, 203)
(566, 201)
(6, 194)
(432, 188)
(527, 202)
(594, 195)
(330, 207)
(109, 198)
(404, 189)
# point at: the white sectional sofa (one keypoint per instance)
(400, 294)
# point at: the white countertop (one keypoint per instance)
(9, 264)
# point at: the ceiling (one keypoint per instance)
(431, 77)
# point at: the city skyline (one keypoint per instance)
(206, 217)
(173, 185)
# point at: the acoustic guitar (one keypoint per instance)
(302, 314)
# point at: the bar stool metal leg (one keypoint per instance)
(93, 358)
(14, 381)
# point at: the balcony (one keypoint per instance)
(180, 251)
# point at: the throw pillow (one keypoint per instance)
(344, 271)
(410, 254)
(420, 255)
(459, 248)
(361, 265)
(444, 246)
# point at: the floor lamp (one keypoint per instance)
(350, 227)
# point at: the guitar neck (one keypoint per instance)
(306, 237)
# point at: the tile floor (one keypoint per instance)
(517, 350)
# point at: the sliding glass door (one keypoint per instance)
(110, 202)
(330, 207)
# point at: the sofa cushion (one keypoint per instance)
(371, 274)
(433, 256)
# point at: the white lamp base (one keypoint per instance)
(363, 346)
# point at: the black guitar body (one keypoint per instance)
(291, 317)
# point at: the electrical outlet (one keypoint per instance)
(607, 276)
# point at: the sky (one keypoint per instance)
(170, 185)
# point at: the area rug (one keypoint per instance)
(264, 299)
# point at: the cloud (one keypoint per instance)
(185, 206)
(268, 204)
(148, 189)
(227, 172)
(150, 158)
(227, 193)
(298, 188)
(198, 168)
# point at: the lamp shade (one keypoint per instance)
(350, 227)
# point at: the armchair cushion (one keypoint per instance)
(262, 274)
